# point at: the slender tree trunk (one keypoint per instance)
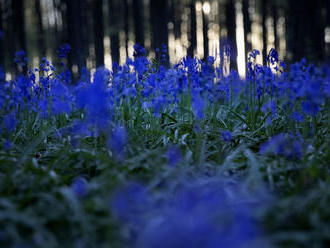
(205, 35)
(76, 36)
(305, 32)
(98, 29)
(222, 24)
(275, 19)
(18, 22)
(126, 24)
(2, 54)
(192, 30)
(264, 30)
(230, 13)
(9, 36)
(327, 23)
(159, 20)
(247, 26)
(18, 27)
(316, 28)
(40, 29)
(59, 26)
(176, 9)
(114, 12)
(138, 15)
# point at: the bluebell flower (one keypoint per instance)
(43, 108)
(60, 107)
(64, 50)
(283, 145)
(45, 65)
(20, 58)
(117, 141)
(173, 155)
(2, 75)
(10, 121)
(226, 136)
(66, 76)
(297, 116)
(78, 128)
(198, 107)
(270, 107)
(129, 203)
(272, 57)
(139, 51)
(253, 54)
(326, 89)
(79, 187)
(310, 108)
(94, 99)
(198, 215)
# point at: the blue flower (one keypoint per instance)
(253, 54)
(20, 58)
(10, 121)
(64, 50)
(79, 187)
(173, 155)
(198, 106)
(269, 107)
(139, 51)
(198, 214)
(297, 117)
(283, 145)
(129, 203)
(117, 141)
(272, 57)
(310, 108)
(226, 136)
(94, 99)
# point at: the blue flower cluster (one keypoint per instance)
(191, 85)
(200, 214)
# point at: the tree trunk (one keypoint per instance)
(2, 54)
(305, 30)
(40, 29)
(230, 14)
(114, 15)
(18, 23)
(176, 9)
(247, 27)
(264, 31)
(18, 27)
(205, 35)
(76, 12)
(327, 23)
(159, 31)
(126, 24)
(193, 28)
(316, 28)
(275, 19)
(98, 29)
(138, 15)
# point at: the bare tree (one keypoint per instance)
(98, 28)
(138, 14)
(114, 22)
(192, 29)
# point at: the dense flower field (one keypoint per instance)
(147, 156)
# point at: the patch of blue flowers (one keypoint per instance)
(208, 213)
(134, 118)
